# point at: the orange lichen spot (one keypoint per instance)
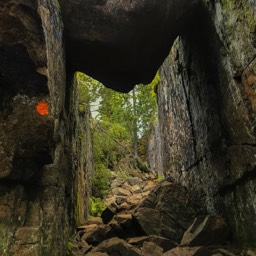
(42, 108)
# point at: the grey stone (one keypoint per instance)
(116, 245)
(206, 230)
(188, 251)
(168, 211)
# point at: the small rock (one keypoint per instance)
(121, 192)
(135, 181)
(118, 246)
(225, 252)
(188, 251)
(94, 220)
(207, 230)
(251, 252)
(137, 241)
(134, 199)
(145, 194)
(164, 243)
(87, 228)
(136, 189)
(108, 214)
(122, 217)
(97, 235)
(124, 207)
(151, 249)
(97, 254)
(150, 185)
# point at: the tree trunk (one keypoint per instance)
(135, 127)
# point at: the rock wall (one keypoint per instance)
(207, 111)
(39, 178)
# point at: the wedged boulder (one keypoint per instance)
(117, 246)
(168, 211)
(188, 251)
(206, 230)
(122, 43)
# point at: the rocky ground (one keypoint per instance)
(145, 217)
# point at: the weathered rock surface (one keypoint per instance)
(188, 251)
(116, 246)
(122, 43)
(121, 236)
(207, 112)
(40, 162)
(208, 230)
(168, 211)
(206, 108)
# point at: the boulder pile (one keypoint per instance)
(149, 218)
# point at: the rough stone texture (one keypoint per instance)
(79, 137)
(151, 249)
(155, 158)
(188, 251)
(205, 231)
(38, 189)
(168, 211)
(207, 111)
(122, 43)
(117, 246)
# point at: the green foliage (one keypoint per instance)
(159, 178)
(100, 180)
(96, 206)
(142, 166)
(107, 139)
(116, 119)
(146, 105)
(70, 246)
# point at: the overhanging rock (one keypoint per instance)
(122, 43)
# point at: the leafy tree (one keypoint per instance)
(118, 121)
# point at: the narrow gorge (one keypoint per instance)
(205, 139)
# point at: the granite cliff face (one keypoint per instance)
(207, 111)
(206, 107)
(43, 184)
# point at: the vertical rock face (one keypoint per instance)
(207, 110)
(38, 175)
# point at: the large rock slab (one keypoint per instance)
(151, 249)
(122, 43)
(207, 230)
(117, 246)
(188, 251)
(168, 211)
